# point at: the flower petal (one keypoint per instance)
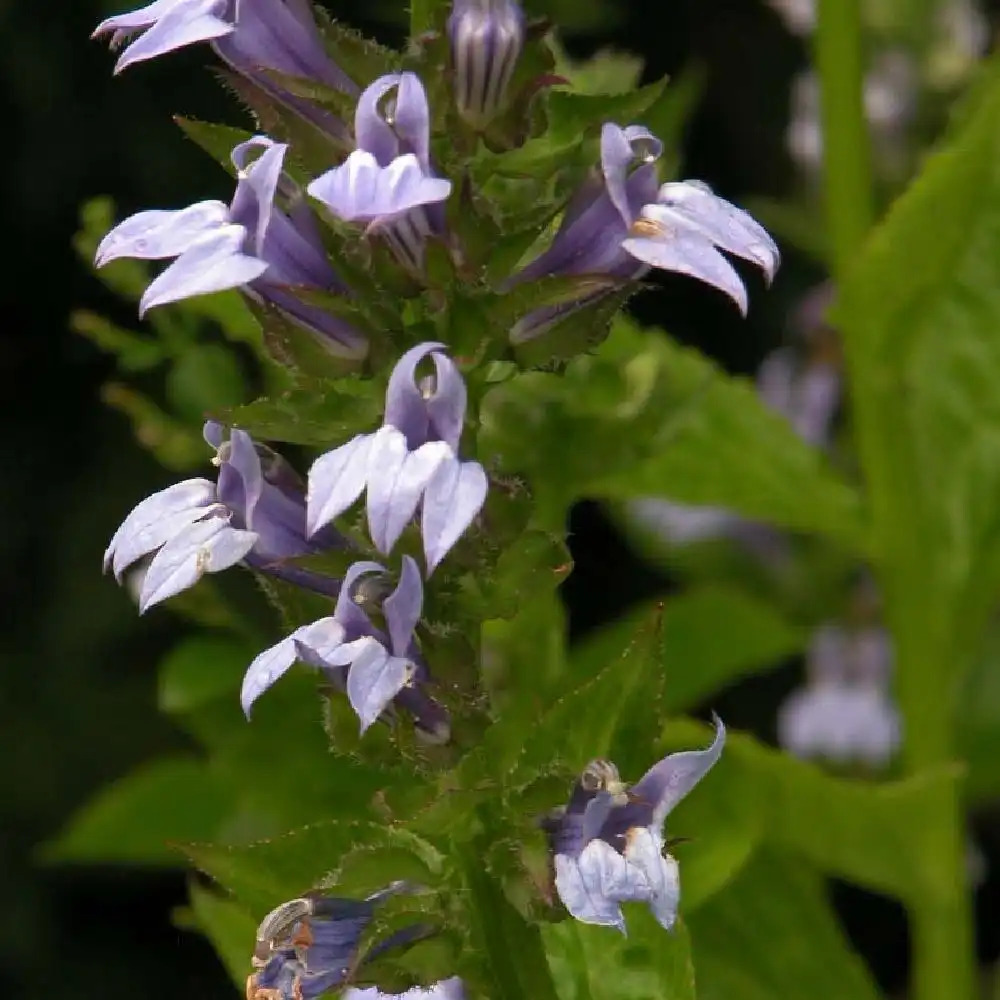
(403, 607)
(348, 612)
(156, 234)
(693, 205)
(593, 885)
(689, 254)
(396, 481)
(187, 22)
(214, 264)
(374, 679)
(620, 147)
(336, 480)
(274, 662)
(373, 134)
(452, 499)
(146, 528)
(206, 546)
(668, 781)
(446, 405)
(411, 118)
(406, 408)
(644, 852)
(253, 200)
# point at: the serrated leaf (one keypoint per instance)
(362, 59)
(573, 114)
(591, 719)
(143, 817)
(264, 874)
(230, 929)
(772, 934)
(596, 963)
(722, 446)
(712, 635)
(321, 413)
(217, 140)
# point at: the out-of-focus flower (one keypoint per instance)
(890, 93)
(844, 713)
(608, 843)
(254, 513)
(312, 944)
(447, 989)
(250, 244)
(387, 183)
(375, 669)
(486, 39)
(411, 461)
(799, 15)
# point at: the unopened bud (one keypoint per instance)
(486, 40)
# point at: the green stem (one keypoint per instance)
(922, 624)
(847, 181)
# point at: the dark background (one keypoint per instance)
(76, 704)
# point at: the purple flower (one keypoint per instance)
(682, 228)
(807, 395)
(608, 844)
(250, 35)
(374, 668)
(387, 184)
(254, 513)
(250, 244)
(446, 989)
(411, 460)
(310, 945)
(486, 39)
(596, 223)
(844, 713)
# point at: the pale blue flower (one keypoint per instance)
(375, 669)
(250, 244)
(254, 513)
(446, 989)
(387, 183)
(411, 461)
(608, 844)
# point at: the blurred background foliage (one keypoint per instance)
(81, 701)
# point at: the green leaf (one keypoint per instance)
(873, 835)
(143, 817)
(720, 445)
(572, 114)
(202, 669)
(772, 934)
(597, 963)
(607, 71)
(699, 656)
(230, 929)
(133, 352)
(217, 140)
(320, 412)
(203, 376)
(362, 59)
(264, 874)
(920, 313)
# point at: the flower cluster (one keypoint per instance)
(299, 241)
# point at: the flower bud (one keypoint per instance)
(486, 40)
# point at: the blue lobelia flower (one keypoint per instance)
(309, 945)
(845, 713)
(251, 244)
(447, 989)
(621, 224)
(249, 34)
(254, 513)
(683, 228)
(387, 183)
(486, 39)
(608, 844)
(411, 460)
(375, 669)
